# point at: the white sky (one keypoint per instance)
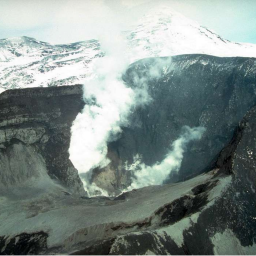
(66, 21)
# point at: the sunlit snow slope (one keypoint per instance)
(165, 32)
(27, 62)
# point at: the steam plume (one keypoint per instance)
(157, 174)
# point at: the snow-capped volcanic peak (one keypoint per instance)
(165, 32)
(27, 62)
(21, 46)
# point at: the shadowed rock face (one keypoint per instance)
(35, 135)
(193, 90)
(216, 217)
(212, 213)
(24, 244)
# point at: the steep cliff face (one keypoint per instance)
(224, 225)
(35, 134)
(193, 90)
(212, 213)
(43, 207)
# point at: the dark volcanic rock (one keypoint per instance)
(207, 223)
(35, 135)
(193, 90)
(23, 244)
(212, 213)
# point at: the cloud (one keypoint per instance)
(66, 21)
(134, 3)
(16, 14)
(63, 21)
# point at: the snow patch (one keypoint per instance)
(226, 243)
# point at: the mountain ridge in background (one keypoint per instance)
(27, 62)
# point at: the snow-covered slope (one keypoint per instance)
(27, 62)
(165, 32)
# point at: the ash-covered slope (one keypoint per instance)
(187, 90)
(225, 223)
(213, 213)
(27, 62)
(34, 139)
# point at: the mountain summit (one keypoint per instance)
(165, 32)
(27, 62)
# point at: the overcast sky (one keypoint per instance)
(66, 21)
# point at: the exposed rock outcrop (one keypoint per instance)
(193, 90)
(42, 202)
(212, 213)
(216, 217)
(35, 136)
(224, 225)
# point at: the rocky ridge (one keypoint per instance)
(193, 90)
(44, 209)
(27, 62)
(213, 213)
(34, 136)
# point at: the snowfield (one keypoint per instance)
(27, 62)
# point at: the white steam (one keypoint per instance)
(108, 102)
(108, 105)
(157, 174)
